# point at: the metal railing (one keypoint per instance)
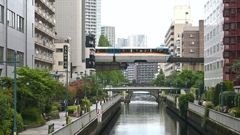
(196, 108)
(224, 119)
(80, 123)
(110, 103)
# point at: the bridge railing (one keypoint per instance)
(196, 108)
(110, 103)
(226, 120)
(76, 125)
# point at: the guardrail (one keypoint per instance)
(110, 103)
(226, 120)
(76, 125)
(196, 108)
(172, 98)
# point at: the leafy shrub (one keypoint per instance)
(56, 104)
(48, 108)
(237, 100)
(235, 112)
(54, 108)
(228, 98)
(183, 103)
(32, 117)
(71, 109)
(54, 115)
(206, 114)
(218, 108)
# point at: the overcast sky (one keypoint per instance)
(149, 17)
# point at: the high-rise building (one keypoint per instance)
(231, 39)
(44, 34)
(16, 34)
(70, 18)
(146, 72)
(99, 17)
(131, 72)
(109, 33)
(182, 18)
(122, 42)
(137, 40)
(192, 42)
(213, 46)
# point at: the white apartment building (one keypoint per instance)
(109, 33)
(122, 42)
(16, 34)
(182, 18)
(137, 40)
(213, 46)
(44, 34)
(70, 18)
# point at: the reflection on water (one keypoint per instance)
(143, 116)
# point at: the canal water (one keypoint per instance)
(143, 116)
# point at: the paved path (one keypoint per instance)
(58, 123)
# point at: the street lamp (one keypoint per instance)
(198, 93)
(96, 92)
(171, 88)
(221, 94)
(176, 88)
(85, 91)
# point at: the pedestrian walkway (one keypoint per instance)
(58, 123)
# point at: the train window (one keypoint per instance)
(154, 50)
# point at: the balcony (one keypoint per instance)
(44, 44)
(49, 6)
(232, 19)
(231, 33)
(44, 29)
(43, 58)
(228, 61)
(231, 3)
(45, 16)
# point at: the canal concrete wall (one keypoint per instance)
(92, 122)
(217, 123)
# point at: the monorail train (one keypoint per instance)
(132, 50)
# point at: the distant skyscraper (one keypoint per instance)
(98, 19)
(122, 42)
(146, 72)
(93, 17)
(70, 16)
(109, 32)
(137, 40)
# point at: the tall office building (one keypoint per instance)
(231, 39)
(131, 72)
(109, 33)
(182, 18)
(122, 42)
(146, 72)
(99, 17)
(70, 18)
(44, 34)
(93, 17)
(213, 46)
(137, 40)
(192, 42)
(16, 34)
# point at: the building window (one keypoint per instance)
(218, 65)
(217, 47)
(1, 54)
(1, 14)
(20, 23)
(20, 58)
(191, 43)
(191, 50)
(222, 64)
(60, 63)
(10, 18)
(191, 36)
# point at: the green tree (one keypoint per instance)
(236, 67)
(160, 80)
(103, 41)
